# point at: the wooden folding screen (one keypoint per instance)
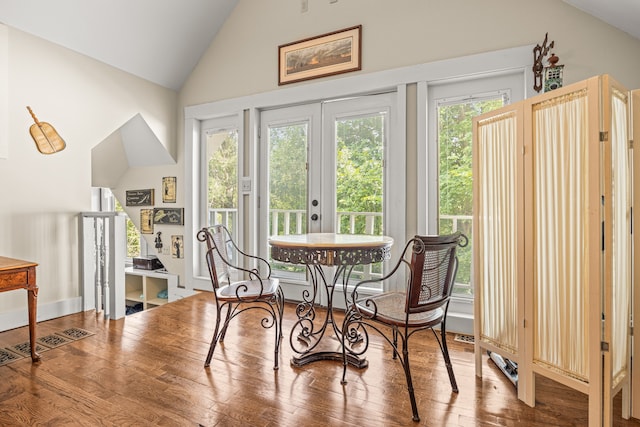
(552, 243)
(635, 135)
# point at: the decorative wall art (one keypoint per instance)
(169, 189)
(139, 197)
(177, 246)
(169, 216)
(146, 221)
(325, 55)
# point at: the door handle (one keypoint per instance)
(314, 217)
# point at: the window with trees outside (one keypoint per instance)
(455, 178)
(222, 178)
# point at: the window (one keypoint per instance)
(222, 177)
(455, 184)
(452, 107)
(133, 235)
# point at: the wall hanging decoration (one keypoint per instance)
(158, 241)
(320, 56)
(553, 74)
(169, 189)
(45, 136)
(177, 247)
(146, 221)
(170, 216)
(539, 53)
(139, 197)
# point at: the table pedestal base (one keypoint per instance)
(329, 355)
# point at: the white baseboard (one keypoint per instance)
(461, 323)
(19, 318)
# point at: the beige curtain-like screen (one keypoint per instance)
(497, 151)
(621, 275)
(560, 169)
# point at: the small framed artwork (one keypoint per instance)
(169, 189)
(139, 197)
(177, 247)
(320, 56)
(169, 216)
(146, 221)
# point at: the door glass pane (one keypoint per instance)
(455, 180)
(359, 180)
(287, 145)
(222, 178)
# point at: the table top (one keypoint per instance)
(330, 241)
(12, 263)
(330, 248)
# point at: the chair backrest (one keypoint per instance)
(218, 241)
(433, 271)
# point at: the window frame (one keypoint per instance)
(513, 60)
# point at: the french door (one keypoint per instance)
(323, 169)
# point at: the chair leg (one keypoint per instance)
(407, 373)
(277, 318)
(214, 340)
(447, 359)
(225, 325)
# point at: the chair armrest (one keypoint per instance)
(401, 260)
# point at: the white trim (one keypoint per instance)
(465, 67)
(19, 318)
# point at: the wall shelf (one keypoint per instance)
(144, 285)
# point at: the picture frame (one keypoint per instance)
(146, 221)
(325, 55)
(139, 197)
(169, 189)
(168, 216)
(177, 246)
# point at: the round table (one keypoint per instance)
(315, 251)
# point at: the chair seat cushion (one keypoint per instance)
(391, 309)
(248, 289)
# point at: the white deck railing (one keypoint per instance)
(293, 221)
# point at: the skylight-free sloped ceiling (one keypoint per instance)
(158, 40)
(132, 145)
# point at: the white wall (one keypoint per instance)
(41, 195)
(243, 59)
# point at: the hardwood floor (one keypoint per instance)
(147, 369)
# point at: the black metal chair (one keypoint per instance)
(255, 291)
(422, 305)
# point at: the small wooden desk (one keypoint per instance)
(18, 274)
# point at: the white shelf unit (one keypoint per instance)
(144, 285)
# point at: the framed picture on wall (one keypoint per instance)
(169, 216)
(139, 197)
(177, 247)
(169, 189)
(320, 56)
(146, 221)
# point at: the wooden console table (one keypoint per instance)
(19, 274)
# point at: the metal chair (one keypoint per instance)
(255, 291)
(422, 305)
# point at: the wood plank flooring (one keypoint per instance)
(147, 370)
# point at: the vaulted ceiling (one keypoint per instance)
(162, 41)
